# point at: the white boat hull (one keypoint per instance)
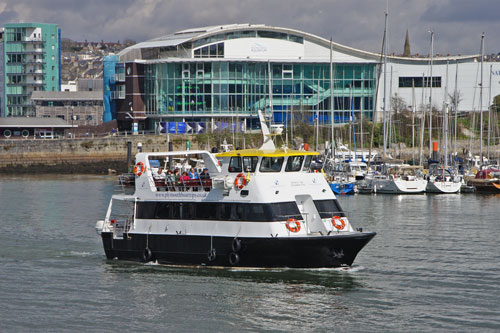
(399, 186)
(443, 187)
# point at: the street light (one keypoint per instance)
(72, 117)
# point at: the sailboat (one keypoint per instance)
(441, 179)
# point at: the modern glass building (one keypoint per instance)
(31, 63)
(221, 73)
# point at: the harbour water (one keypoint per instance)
(433, 266)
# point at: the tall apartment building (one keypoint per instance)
(31, 62)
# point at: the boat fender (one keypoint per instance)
(240, 181)
(228, 182)
(211, 255)
(293, 225)
(236, 245)
(338, 222)
(147, 254)
(139, 169)
(234, 258)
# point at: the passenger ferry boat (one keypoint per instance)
(260, 208)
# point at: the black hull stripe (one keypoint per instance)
(296, 252)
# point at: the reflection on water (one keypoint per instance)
(335, 278)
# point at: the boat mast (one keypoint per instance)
(317, 116)
(413, 107)
(385, 81)
(481, 102)
(489, 113)
(331, 94)
(389, 128)
(430, 95)
(353, 125)
(455, 106)
(445, 118)
(422, 123)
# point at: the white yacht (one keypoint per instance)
(260, 208)
(401, 180)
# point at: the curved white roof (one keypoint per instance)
(190, 35)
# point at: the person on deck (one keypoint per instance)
(193, 174)
(205, 174)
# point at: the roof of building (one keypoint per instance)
(191, 35)
(67, 95)
(33, 122)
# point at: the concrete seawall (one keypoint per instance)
(83, 156)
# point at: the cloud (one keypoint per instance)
(457, 24)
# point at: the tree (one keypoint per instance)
(398, 104)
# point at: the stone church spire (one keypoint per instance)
(407, 52)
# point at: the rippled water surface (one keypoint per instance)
(433, 266)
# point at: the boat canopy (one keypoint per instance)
(265, 152)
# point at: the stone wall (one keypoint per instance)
(82, 155)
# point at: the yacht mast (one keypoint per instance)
(489, 114)
(445, 118)
(331, 94)
(430, 95)
(455, 106)
(413, 107)
(481, 101)
(422, 124)
(385, 84)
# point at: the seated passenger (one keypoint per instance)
(170, 176)
(193, 174)
(205, 174)
(184, 177)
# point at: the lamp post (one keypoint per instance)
(72, 117)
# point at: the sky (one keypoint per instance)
(457, 24)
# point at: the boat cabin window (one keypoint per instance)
(307, 163)
(271, 164)
(250, 163)
(294, 163)
(235, 164)
(328, 208)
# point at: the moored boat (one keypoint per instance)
(401, 180)
(259, 208)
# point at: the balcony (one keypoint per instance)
(120, 77)
(27, 40)
(118, 95)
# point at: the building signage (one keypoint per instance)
(256, 47)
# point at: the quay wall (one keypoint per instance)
(96, 155)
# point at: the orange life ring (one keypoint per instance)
(336, 219)
(240, 181)
(295, 228)
(139, 169)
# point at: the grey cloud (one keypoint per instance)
(356, 23)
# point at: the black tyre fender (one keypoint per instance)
(236, 245)
(234, 258)
(147, 255)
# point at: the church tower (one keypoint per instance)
(407, 52)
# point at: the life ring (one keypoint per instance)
(147, 254)
(139, 169)
(240, 181)
(336, 219)
(293, 225)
